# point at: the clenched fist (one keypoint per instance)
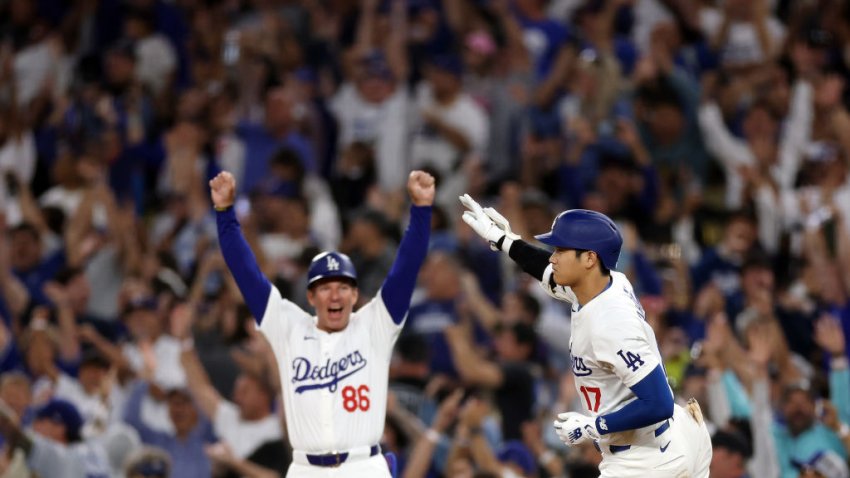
(420, 186)
(223, 190)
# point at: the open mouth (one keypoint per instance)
(335, 312)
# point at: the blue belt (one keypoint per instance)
(336, 459)
(619, 448)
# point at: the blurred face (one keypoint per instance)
(182, 412)
(799, 412)
(91, 377)
(375, 89)
(279, 110)
(50, 429)
(508, 348)
(666, 124)
(757, 279)
(250, 397)
(441, 277)
(334, 301)
(144, 324)
(759, 123)
(445, 84)
(119, 69)
(25, 250)
(739, 237)
(726, 464)
(17, 394)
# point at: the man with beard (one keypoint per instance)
(802, 436)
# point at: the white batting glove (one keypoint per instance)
(487, 223)
(574, 428)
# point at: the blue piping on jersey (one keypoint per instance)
(654, 403)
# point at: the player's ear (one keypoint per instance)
(311, 296)
(355, 295)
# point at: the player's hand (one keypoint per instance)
(421, 187)
(487, 223)
(223, 190)
(574, 428)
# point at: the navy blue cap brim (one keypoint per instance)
(347, 277)
(547, 239)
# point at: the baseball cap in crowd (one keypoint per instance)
(141, 303)
(514, 451)
(375, 65)
(826, 463)
(448, 63)
(148, 462)
(65, 413)
(280, 189)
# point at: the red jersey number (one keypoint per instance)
(354, 399)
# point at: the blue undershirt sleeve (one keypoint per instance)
(654, 403)
(240, 260)
(397, 288)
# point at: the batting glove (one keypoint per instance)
(574, 428)
(488, 223)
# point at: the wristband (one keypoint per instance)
(546, 457)
(843, 430)
(432, 435)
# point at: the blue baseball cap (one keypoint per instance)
(515, 451)
(64, 412)
(447, 62)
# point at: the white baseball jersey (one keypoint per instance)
(334, 384)
(612, 345)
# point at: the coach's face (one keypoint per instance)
(334, 301)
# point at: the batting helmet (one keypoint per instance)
(586, 230)
(331, 264)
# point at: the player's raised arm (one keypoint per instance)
(495, 228)
(398, 286)
(237, 254)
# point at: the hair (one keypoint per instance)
(733, 441)
(604, 270)
(524, 334)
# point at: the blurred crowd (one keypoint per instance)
(715, 132)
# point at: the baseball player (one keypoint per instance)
(334, 365)
(630, 415)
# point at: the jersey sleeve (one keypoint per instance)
(557, 291)
(382, 328)
(279, 317)
(619, 341)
